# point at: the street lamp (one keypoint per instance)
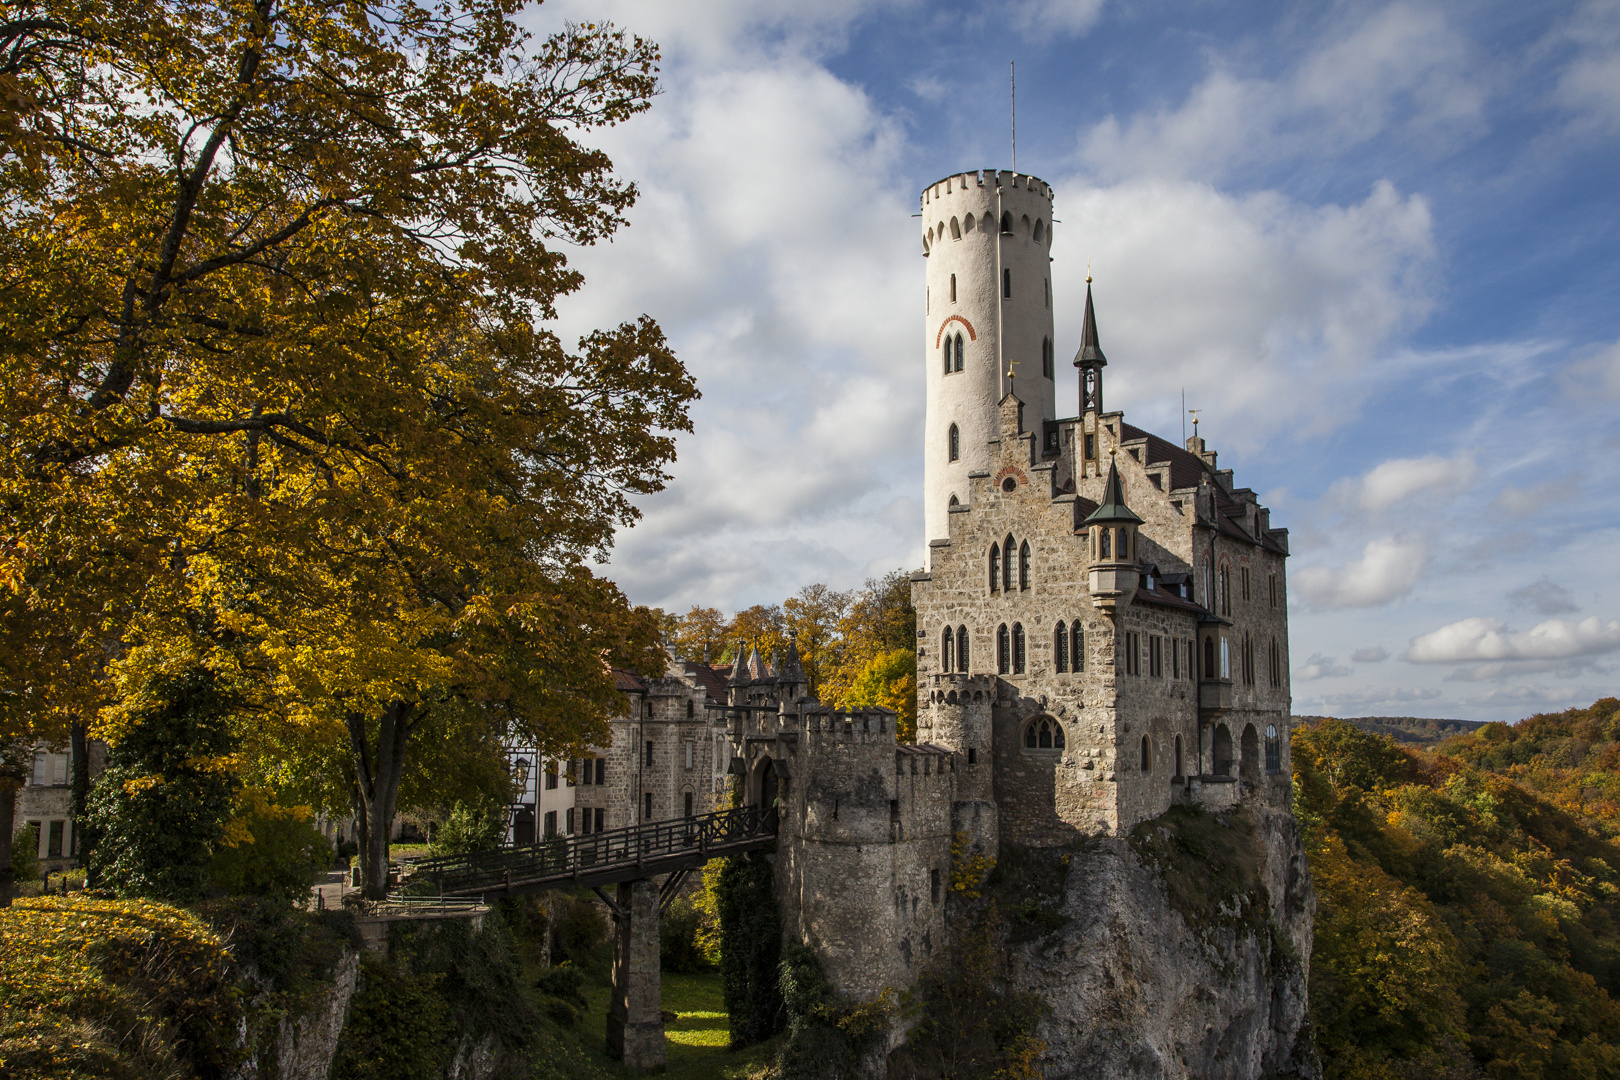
(520, 773)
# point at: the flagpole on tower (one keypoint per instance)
(1012, 83)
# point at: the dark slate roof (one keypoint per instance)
(1186, 467)
(623, 680)
(713, 683)
(1090, 351)
(1165, 598)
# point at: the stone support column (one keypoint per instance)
(635, 1029)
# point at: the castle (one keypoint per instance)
(1102, 634)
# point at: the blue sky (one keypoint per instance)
(1378, 244)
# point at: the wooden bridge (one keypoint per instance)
(604, 858)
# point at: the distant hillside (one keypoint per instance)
(1412, 730)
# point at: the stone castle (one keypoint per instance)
(1102, 635)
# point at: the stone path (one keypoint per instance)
(330, 890)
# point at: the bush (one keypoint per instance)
(398, 1027)
(160, 807)
(577, 931)
(565, 1003)
(25, 853)
(470, 827)
(273, 851)
(679, 947)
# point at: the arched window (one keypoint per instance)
(953, 288)
(962, 649)
(967, 223)
(955, 501)
(939, 231)
(1043, 733)
(945, 352)
(958, 352)
(955, 443)
(1060, 648)
(1077, 646)
(947, 646)
(1221, 751)
(956, 229)
(1223, 584)
(1273, 750)
(1003, 650)
(1209, 658)
(1018, 657)
(1007, 564)
(1040, 230)
(995, 567)
(1046, 357)
(1124, 544)
(1103, 538)
(1023, 223)
(1178, 757)
(1006, 284)
(1006, 222)
(1147, 755)
(1023, 566)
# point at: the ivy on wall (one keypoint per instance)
(750, 948)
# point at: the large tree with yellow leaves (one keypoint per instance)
(272, 386)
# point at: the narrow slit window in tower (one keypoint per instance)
(1147, 755)
(1060, 649)
(1178, 757)
(1046, 357)
(953, 288)
(955, 443)
(1006, 284)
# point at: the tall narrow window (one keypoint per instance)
(947, 646)
(962, 649)
(1124, 544)
(1276, 664)
(1007, 564)
(1003, 650)
(1209, 658)
(953, 288)
(1103, 535)
(946, 353)
(1273, 578)
(1023, 565)
(1244, 581)
(995, 567)
(1060, 649)
(1224, 587)
(649, 757)
(1178, 757)
(1006, 222)
(1077, 646)
(1147, 755)
(1048, 292)
(1006, 284)
(688, 807)
(646, 807)
(1175, 658)
(1018, 657)
(958, 352)
(1046, 357)
(955, 443)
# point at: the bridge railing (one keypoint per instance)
(562, 858)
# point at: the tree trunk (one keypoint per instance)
(8, 813)
(84, 837)
(378, 772)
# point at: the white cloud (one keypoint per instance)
(1388, 568)
(1589, 85)
(1320, 667)
(1256, 304)
(1532, 500)
(1490, 639)
(1400, 66)
(1378, 695)
(1394, 481)
(1044, 18)
(1598, 372)
(1502, 670)
(1544, 597)
(1375, 654)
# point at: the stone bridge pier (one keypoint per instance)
(635, 1026)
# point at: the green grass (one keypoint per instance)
(696, 1040)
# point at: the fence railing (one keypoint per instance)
(597, 858)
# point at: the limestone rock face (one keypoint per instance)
(1181, 951)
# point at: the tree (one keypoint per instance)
(702, 634)
(812, 617)
(880, 621)
(760, 627)
(270, 850)
(889, 679)
(271, 375)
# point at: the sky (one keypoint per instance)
(1376, 244)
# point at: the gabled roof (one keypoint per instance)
(623, 680)
(709, 679)
(1186, 467)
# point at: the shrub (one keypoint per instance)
(25, 853)
(398, 1027)
(272, 851)
(678, 946)
(577, 930)
(561, 986)
(160, 807)
(471, 827)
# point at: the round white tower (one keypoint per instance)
(987, 237)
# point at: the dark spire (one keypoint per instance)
(792, 668)
(1113, 509)
(1090, 352)
(739, 668)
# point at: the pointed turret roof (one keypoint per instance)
(739, 668)
(1090, 352)
(756, 666)
(1113, 508)
(792, 668)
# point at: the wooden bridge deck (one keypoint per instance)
(603, 858)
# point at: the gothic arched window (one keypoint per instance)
(955, 443)
(946, 353)
(995, 567)
(958, 352)
(1124, 544)
(1077, 646)
(1043, 733)
(1060, 648)
(1007, 564)
(1023, 565)
(1103, 536)
(947, 642)
(1006, 222)
(967, 224)
(962, 649)
(1018, 650)
(956, 229)
(1040, 230)
(1273, 749)
(1003, 650)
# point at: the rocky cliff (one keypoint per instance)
(1180, 951)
